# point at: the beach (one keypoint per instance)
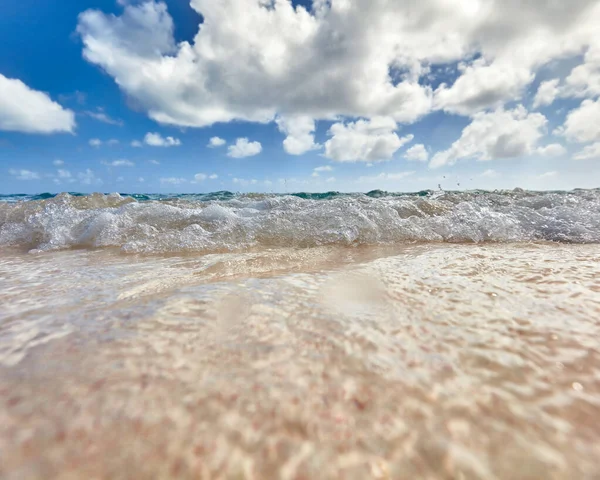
(431, 335)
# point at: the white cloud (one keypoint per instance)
(58, 162)
(244, 148)
(417, 153)
(156, 140)
(330, 180)
(154, 162)
(216, 142)
(112, 142)
(547, 93)
(255, 60)
(120, 179)
(251, 61)
(95, 142)
(172, 181)
(201, 177)
(490, 173)
(141, 180)
(584, 79)
(589, 152)
(483, 86)
(582, 123)
(63, 176)
(120, 163)
(552, 150)
(300, 131)
(88, 178)
(25, 110)
(325, 168)
(548, 175)
(103, 117)
(498, 134)
(364, 140)
(385, 176)
(582, 82)
(24, 174)
(136, 144)
(244, 183)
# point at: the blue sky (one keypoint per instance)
(120, 96)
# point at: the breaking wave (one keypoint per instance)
(223, 221)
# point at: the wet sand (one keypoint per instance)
(425, 361)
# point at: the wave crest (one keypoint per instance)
(223, 221)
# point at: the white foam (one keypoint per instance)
(272, 221)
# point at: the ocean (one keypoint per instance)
(381, 335)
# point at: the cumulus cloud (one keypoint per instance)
(484, 86)
(300, 134)
(89, 178)
(95, 142)
(23, 109)
(63, 176)
(244, 148)
(589, 152)
(552, 150)
(137, 144)
(24, 174)
(582, 82)
(200, 177)
(584, 79)
(318, 170)
(547, 93)
(157, 140)
(154, 162)
(581, 124)
(364, 140)
(216, 142)
(58, 162)
(493, 135)
(258, 60)
(417, 153)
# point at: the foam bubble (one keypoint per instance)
(239, 222)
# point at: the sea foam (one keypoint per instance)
(223, 221)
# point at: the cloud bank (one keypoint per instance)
(353, 61)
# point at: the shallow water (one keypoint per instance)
(374, 359)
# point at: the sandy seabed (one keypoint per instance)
(426, 361)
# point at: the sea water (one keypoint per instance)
(428, 335)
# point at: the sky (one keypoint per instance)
(186, 96)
